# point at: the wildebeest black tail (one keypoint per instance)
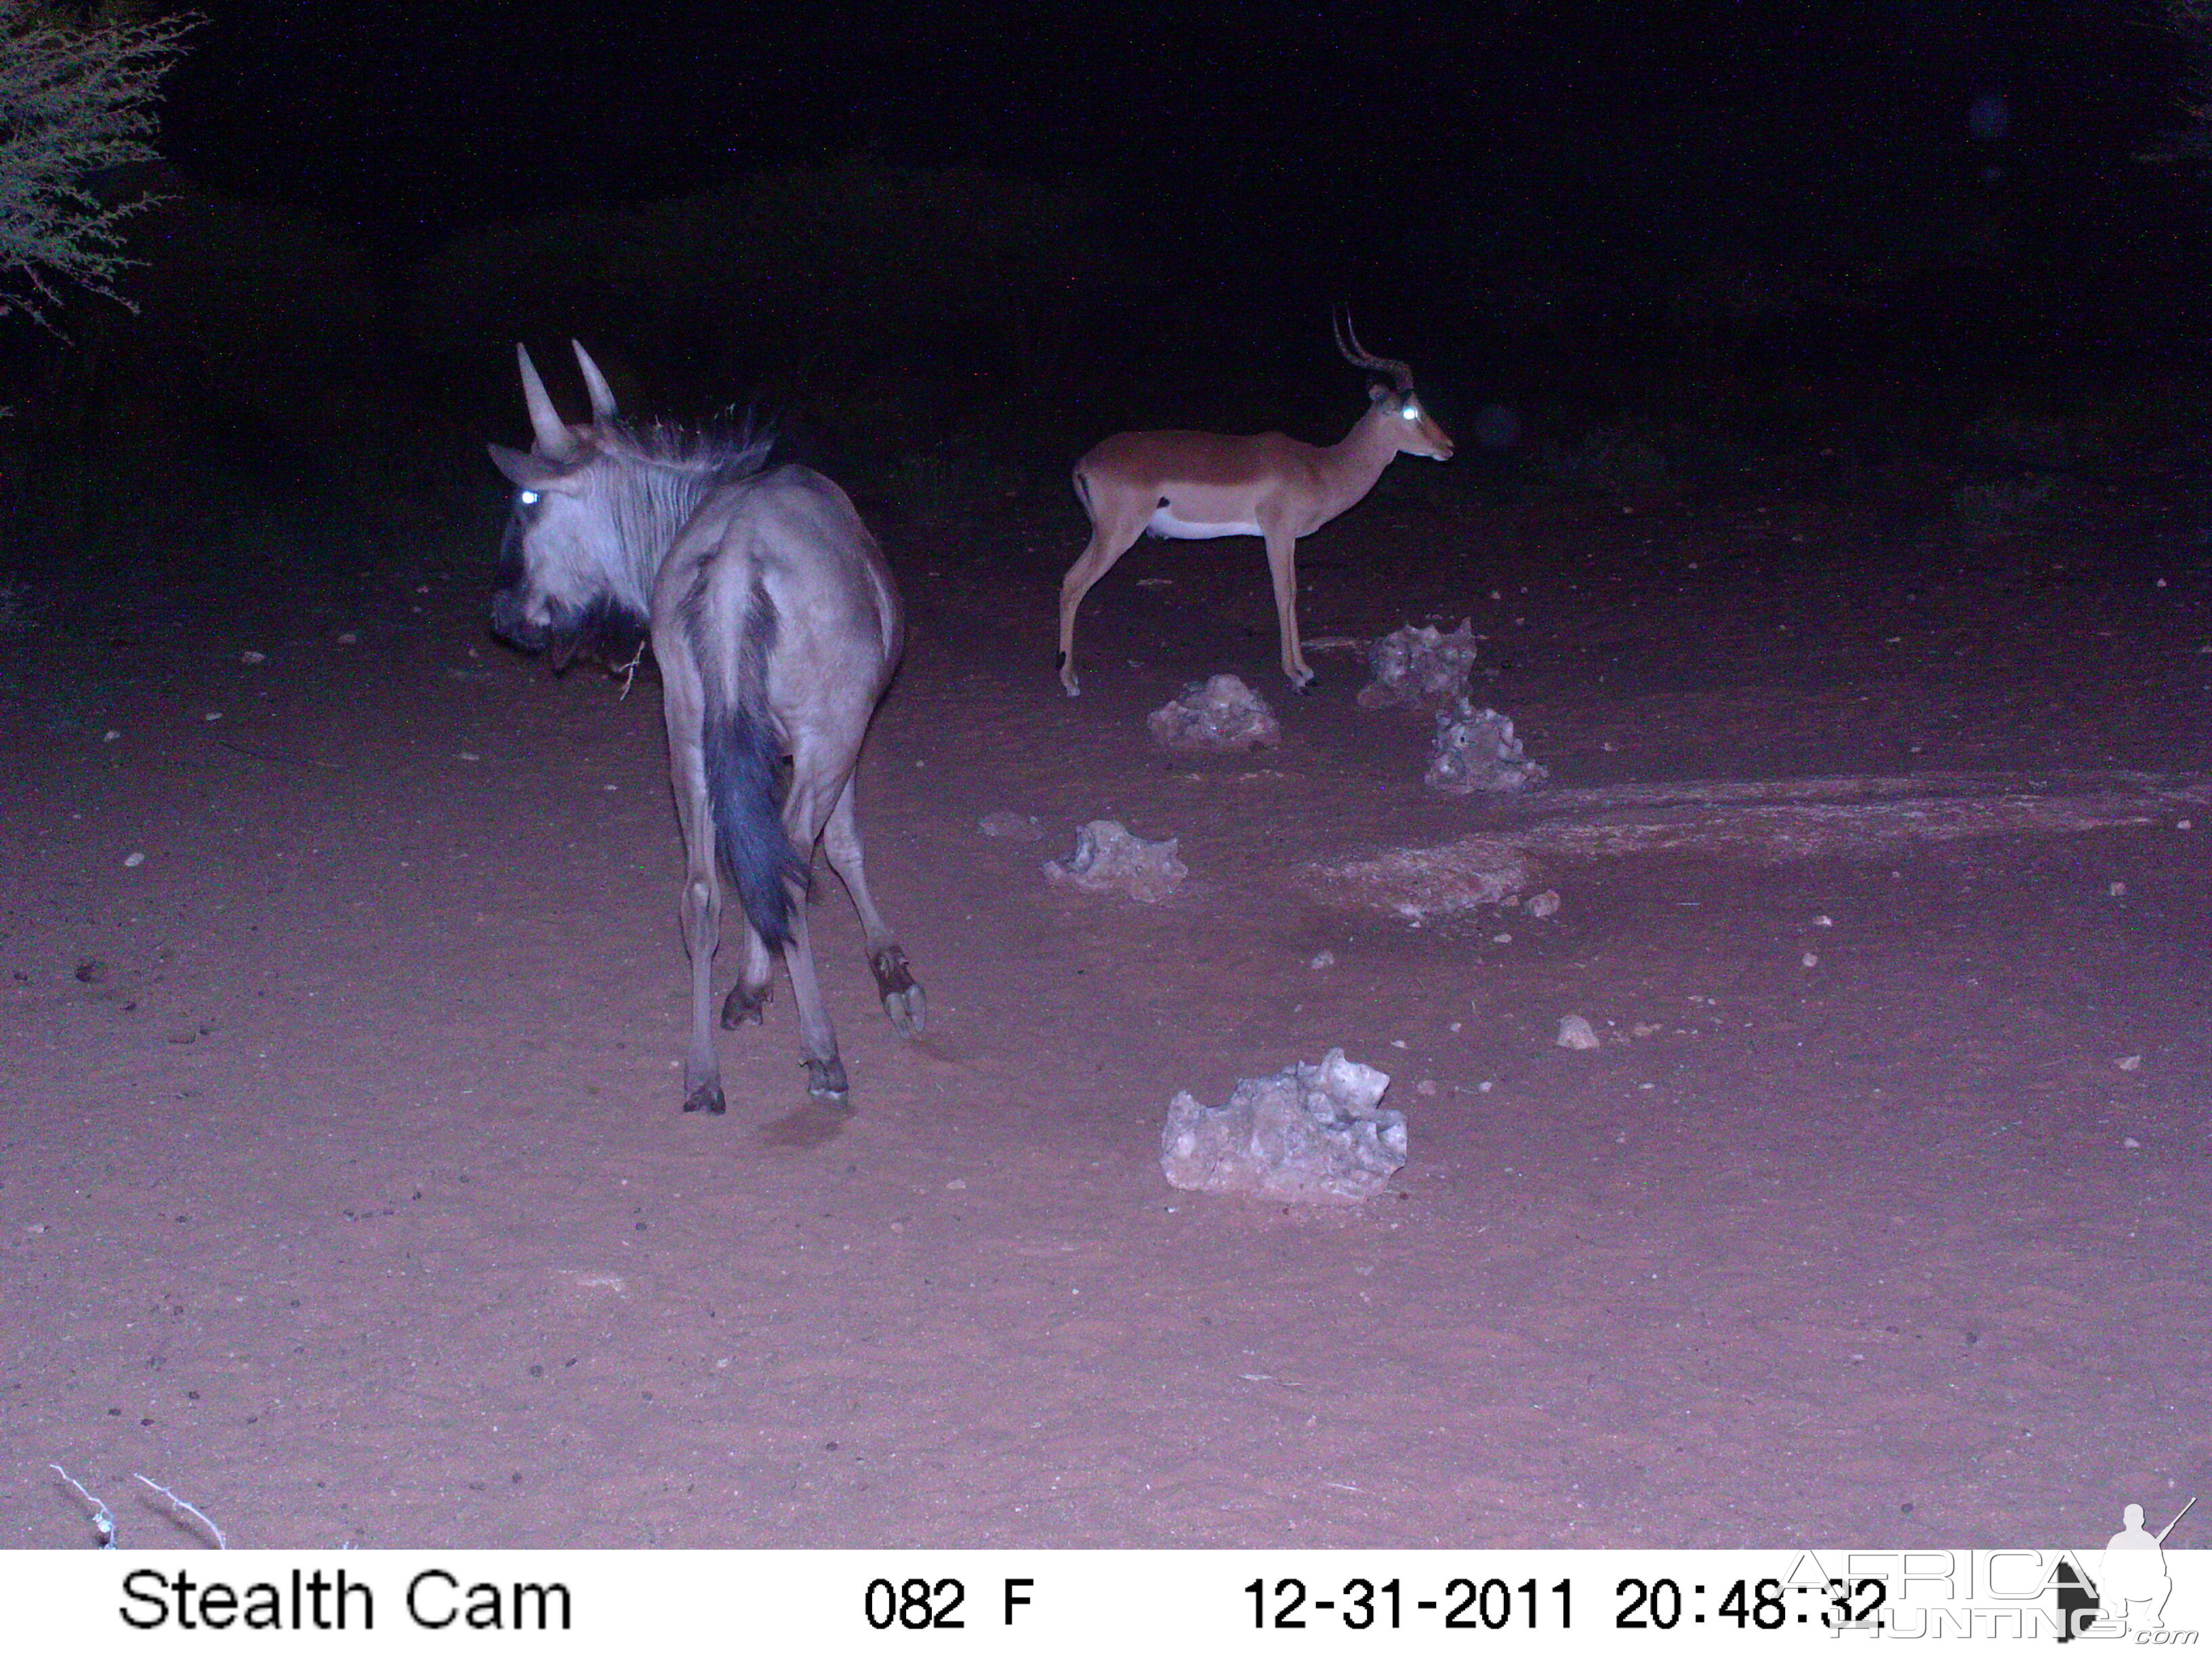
(745, 771)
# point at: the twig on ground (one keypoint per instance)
(629, 670)
(192, 1509)
(103, 1518)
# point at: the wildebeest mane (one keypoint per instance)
(715, 455)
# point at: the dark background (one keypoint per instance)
(1624, 247)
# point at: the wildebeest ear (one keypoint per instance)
(527, 471)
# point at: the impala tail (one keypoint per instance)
(744, 770)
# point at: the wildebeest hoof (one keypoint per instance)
(903, 999)
(742, 1004)
(825, 1080)
(708, 1098)
(909, 1010)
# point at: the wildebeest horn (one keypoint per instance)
(603, 397)
(1359, 356)
(554, 440)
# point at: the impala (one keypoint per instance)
(1192, 486)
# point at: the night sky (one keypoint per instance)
(1493, 125)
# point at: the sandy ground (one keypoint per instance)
(343, 1186)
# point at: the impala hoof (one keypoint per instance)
(742, 1006)
(708, 1098)
(825, 1080)
(1302, 686)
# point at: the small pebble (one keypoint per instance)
(2117, 890)
(1822, 921)
(1322, 959)
(2131, 1142)
(1810, 960)
(349, 639)
(134, 860)
(2130, 1063)
(249, 658)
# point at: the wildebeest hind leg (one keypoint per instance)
(804, 810)
(756, 984)
(701, 908)
(825, 1072)
(902, 998)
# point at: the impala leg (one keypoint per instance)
(1099, 556)
(903, 999)
(1283, 567)
(700, 909)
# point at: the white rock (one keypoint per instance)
(1224, 715)
(1414, 666)
(1306, 1134)
(1109, 859)
(1475, 748)
(1575, 1033)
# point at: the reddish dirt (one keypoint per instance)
(343, 1187)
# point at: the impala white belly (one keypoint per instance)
(1165, 522)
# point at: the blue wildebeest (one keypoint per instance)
(1194, 486)
(776, 627)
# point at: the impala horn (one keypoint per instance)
(555, 441)
(1402, 375)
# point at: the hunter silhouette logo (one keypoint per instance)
(2131, 1585)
